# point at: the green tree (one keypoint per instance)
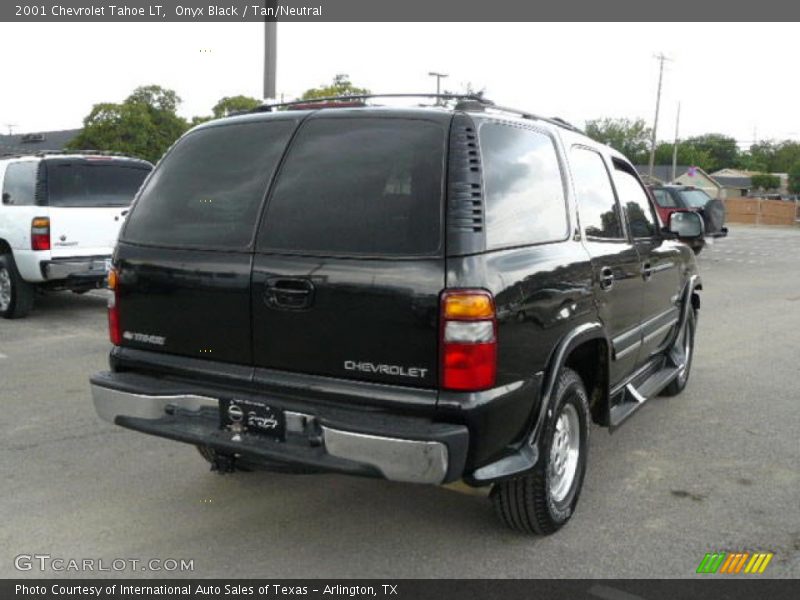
(787, 155)
(341, 86)
(144, 125)
(794, 178)
(760, 157)
(765, 181)
(722, 150)
(628, 136)
(687, 155)
(234, 104)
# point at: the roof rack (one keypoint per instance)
(270, 107)
(466, 102)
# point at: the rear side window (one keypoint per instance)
(695, 198)
(525, 201)
(636, 204)
(664, 199)
(19, 183)
(208, 190)
(361, 186)
(93, 183)
(599, 211)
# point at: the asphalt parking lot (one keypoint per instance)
(714, 469)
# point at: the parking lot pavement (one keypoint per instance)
(714, 469)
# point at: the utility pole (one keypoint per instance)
(439, 77)
(661, 59)
(270, 53)
(10, 128)
(675, 144)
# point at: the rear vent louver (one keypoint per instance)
(465, 198)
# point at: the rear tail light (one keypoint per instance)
(468, 340)
(114, 330)
(40, 233)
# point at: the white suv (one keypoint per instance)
(59, 219)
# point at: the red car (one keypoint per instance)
(674, 198)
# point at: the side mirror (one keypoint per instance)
(6, 198)
(686, 224)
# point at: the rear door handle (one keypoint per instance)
(289, 293)
(606, 278)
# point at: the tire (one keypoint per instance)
(16, 294)
(684, 346)
(542, 501)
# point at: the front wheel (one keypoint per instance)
(545, 499)
(16, 294)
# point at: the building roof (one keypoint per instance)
(734, 182)
(30, 143)
(662, 172)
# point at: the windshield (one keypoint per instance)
(695, 198)
(83, 183)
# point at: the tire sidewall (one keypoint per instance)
(690, 331)
(8, 265)
(572, 393)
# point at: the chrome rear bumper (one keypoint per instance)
(94, 266)
(397, 459)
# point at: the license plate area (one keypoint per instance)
(253, 417)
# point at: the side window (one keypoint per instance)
(664, 199)
(636, 204)
(599, 212)
(525, 201)
(19, 184)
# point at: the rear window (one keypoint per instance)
(208, 190)
(365, 186)
(525, 201)
(87, 183)
(694, 198)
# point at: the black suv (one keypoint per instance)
(423, 294)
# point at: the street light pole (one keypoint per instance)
(661, 58)
(270, 55)
(675, 145)
(439, 77)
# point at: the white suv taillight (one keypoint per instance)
(40, 233)
(468, 340)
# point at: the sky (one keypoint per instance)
(735, 79)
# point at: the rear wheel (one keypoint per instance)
(544, 500)
(16, 295)
(681, 355)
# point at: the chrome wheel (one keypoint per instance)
(5, 289)
(564, 453)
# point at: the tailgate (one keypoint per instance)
(88, 198)
(349, 262)
(84, 231)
